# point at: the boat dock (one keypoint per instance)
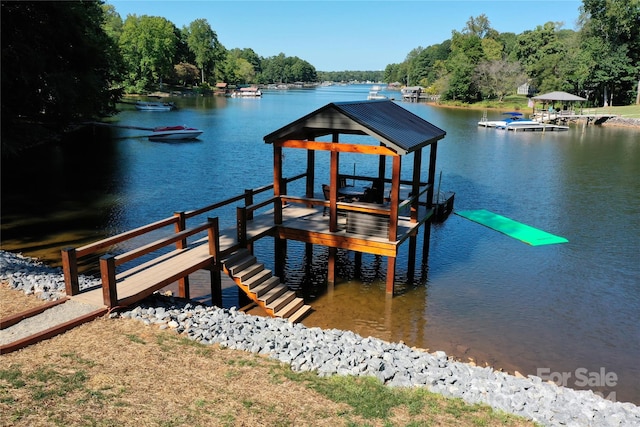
(542, 127)
(570, 116)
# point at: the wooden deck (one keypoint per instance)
(309, 225)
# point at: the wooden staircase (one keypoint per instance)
(263, 288)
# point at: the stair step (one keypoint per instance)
(241, 264)
(248, 272)
(239, 254)
(259, 278)
(282, 301)
(274, 293)
(266, 286)
(290, 308)
(298, 315)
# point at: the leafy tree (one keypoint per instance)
(186, 73)
(203, 42)
(541, 52)
(498, 78)
(611, 36)
(58, 66)
(148, 45)
(466, 53)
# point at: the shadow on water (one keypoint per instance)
(480, 295)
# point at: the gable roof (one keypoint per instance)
(391, 124)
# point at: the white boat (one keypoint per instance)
(174, 133)
(155, 106)
(247, 92)
(513, 118)
(374, 93)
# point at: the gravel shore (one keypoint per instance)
(338, 352)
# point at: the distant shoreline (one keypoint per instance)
(626, 122)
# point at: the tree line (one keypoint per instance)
(600, 61)
(69, 61)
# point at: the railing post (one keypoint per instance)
(248, 201)
(180, 225)
(70, 269)
(108, 275)
(241, 215)
(213, 233)
(277, 211)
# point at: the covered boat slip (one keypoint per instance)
(394, 133)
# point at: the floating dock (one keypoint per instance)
(542, 127)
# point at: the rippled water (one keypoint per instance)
(480, 295)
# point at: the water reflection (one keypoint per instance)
(481, 295)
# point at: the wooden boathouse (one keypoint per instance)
(372, 224)
(132, 265)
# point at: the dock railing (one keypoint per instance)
(244, 214)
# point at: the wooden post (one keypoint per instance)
(70, 269)
(395, 194)
(391, 274)
(108, 275)
(280, 250)
(277, 211)
(333, 192)
(415, 188)
(181, 225)
(213, 234)
(311, 176)
(432, 173)
(411, 257)
(248, 201)
(381, 172)
(331, 268)
(241, 215)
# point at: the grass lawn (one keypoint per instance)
(119, 372)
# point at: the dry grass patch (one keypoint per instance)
(13, 301)
(119, 372)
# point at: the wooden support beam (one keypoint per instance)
(391, 274)
(336, 146)
(331, 268)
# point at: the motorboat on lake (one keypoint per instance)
(374, 93)
(513, 117)
(155, 106)
(174, 133)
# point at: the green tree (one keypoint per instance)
(498, 78)
(466, 53)
(203, 42)
(611, 36)
(148, 45)
(541, 52)
(58, 66)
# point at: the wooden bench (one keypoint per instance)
(135, 283)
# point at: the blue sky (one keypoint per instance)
(349, 35)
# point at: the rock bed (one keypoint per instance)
(338, 352)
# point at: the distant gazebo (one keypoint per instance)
(373, 225)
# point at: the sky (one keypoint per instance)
(364, 35)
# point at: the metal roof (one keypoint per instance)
(391, 124)
(558, 96)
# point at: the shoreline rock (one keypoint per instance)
(340, 352)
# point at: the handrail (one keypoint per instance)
(154, 246)
(109, 262)
(127, 235)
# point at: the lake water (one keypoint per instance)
(568, 308)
